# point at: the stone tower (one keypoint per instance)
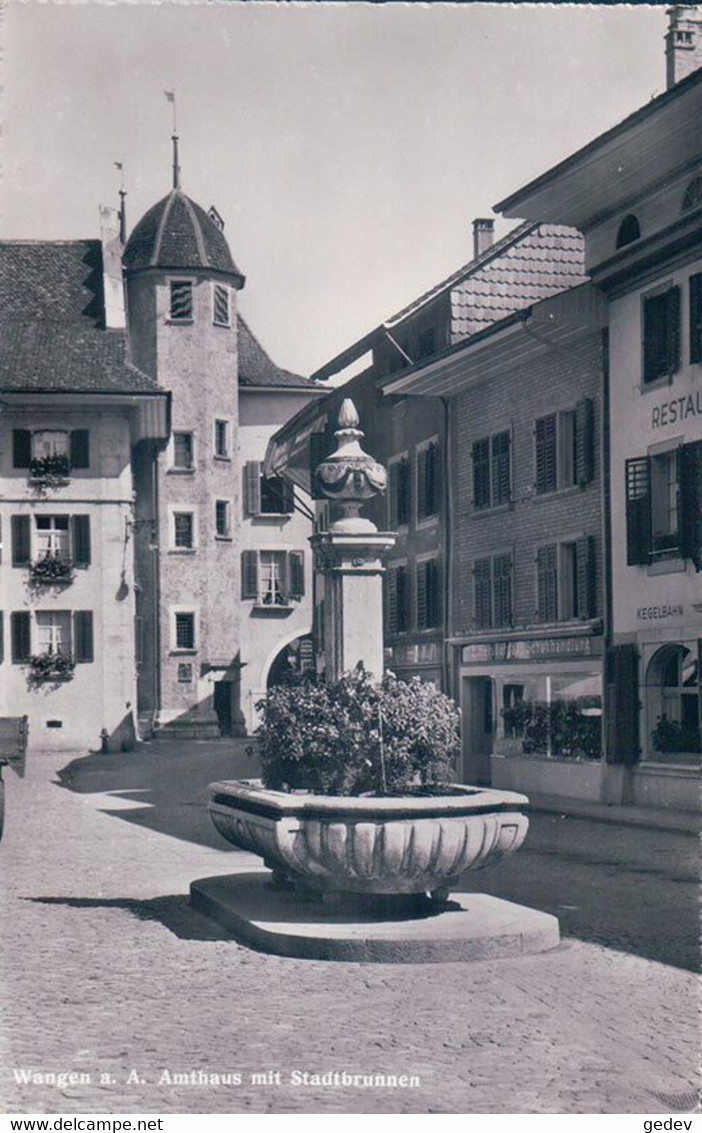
(181, 291)
(683, 42)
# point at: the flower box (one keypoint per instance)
(54, 469)
(52, 667)
(50, 569)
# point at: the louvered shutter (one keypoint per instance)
(502, 586)
(433, 474)
(433, 594)
(690, 480)
(249, 574)
(585, 577)
(403, 492)
(421, 584)
(422, 484)
(21, 636)
(288, 497)
(622, 704)
(80, 448)
(638, 510)
(584, 442)
(21, 540)
(696, 317)
(81, 540)
(296, 573)
(392, 599)
(546, 478)
(482, 591)
(252, 487)
(394, 494)
(83, 645)
(21, 448)
(500, 445)
(547, 582)
(672, 330)
(481, 473)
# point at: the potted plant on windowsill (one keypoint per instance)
(52, 666)
(51, 569)
(52, 470)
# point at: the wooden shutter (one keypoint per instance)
(21, 636)
(81, 540)
(500, 446)
(481, 473)
(21, 448)
(433, 594)
(546, 477)
(585, 577)
(482, 592)
(252, 487)
(21, 540)
(547, 582)
(690, 480)
(403, 492)
(638, 510)
(80, 448)
(672, 331)
(83, 647)
(422, 483)
(394, 494)
(296, 573)
(391, 589)
(421, 583)
(622, 704)
(502, 588)
(696, 317)
(433, 474)
(249, 574)
(288, 496)
(584, 442)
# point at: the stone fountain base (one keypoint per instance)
(416, 930)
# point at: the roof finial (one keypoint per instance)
(171, 97)
(122, 206)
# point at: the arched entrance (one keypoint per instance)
(294, 660)
(673, 705)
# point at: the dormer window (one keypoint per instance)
(693, 195)
(629, 230)
(181, 301)
(220, 305)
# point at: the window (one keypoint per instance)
(566, 580)
(661, 335)
(427, 480)
(183, 451)
(61, 536)
(52, 538)
(673, 705)
(564, 448)
(67, 450)
(491, 471)
(181, 301)
(183, 530)
(53, 632)
(220, 305)
(399, 598)
(663, 505)
(428, 594)
(512, 697)
(221, 438)
(270, 495)
(399, 492)
(696, 318)
(273, 579)
(222, 519)
(693, 195)
(185, 631)
(492, 591)
(629, 231)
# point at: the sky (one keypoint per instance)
(348, 147)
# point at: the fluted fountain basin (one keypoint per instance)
(405, 844)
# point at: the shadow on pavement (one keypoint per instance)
(167, 781)
(174, 913)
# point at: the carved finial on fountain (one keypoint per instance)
(349, 476)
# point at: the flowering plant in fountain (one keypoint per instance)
(358, 737)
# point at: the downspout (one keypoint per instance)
(447, 660)
(607, 586)
(156, 586)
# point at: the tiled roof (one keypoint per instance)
(178, 235)
(256, 368)
(545, 259)
(51, 322)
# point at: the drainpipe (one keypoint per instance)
(448, 547)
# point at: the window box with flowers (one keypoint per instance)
(53, 469)
(51, 570)
(51, 666)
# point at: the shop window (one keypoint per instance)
(564, 448)
(512, 696)
(491, 471)
(672, 682)
(661, 335)
(399, 598)
(399, 491)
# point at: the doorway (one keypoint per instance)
(478, 728)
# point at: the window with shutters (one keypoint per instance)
(53, 632)
(272, 589)
(492, 484)
(220, 305)
(564, 448)
(492, 591)
(665, 504)
(661, 335)
(221, 438)
(428, 480)
(399, 491)
(50, 454)
(51, 544)
(695, 297)
(273, 579)
(223, 509)
(398, 598)
(181, 301)
(266, 495)
(183, 530)
(567, 580)
(428, 593)
(183, 451)
(184, 630)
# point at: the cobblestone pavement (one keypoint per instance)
(110, 974)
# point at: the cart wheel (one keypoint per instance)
(2, 806)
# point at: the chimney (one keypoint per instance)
(683, 42)
(483, 235)
(115, 317)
